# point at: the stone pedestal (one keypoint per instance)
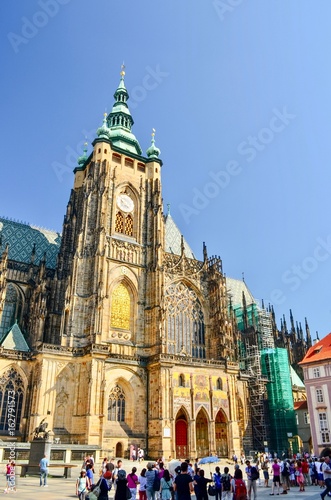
(38, 448)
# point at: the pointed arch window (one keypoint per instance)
(129, 225)
(181, 381)
(124, 224)
(12, 309)
(119, 223)
(11, 401)
(116, 404)
(120, 308)
(184, 322)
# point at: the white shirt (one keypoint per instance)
(325, 467)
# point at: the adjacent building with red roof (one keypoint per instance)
(317, 376)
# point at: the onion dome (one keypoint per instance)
(82, 159)
(153, 151)
(103, 132)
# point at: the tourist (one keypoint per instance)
(299, 476)
(276, 479)
(201, 483)
(142, 485)
(251, 480)
(132, 482)
(89, 474)
(238, 487)
(326, 468)
(265, 469)
(217, 477)
(82, 485)
(183, 484)
(166, 486)
(43, 465)
(226, 484)
(150, 477)
(104, 487)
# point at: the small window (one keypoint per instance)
(319, 396)
(306, 418)
(323, 422)
(316, 373)
(105, 151)
(219, 385)
(128, 162)
(116, 158)
(297, 418)
(156, 170)
(99, 150)
(181, 381)
(141, 167)
(325, 437)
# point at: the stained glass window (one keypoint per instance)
(11, 401)
(120, 308)
(116, 404)
(184, 322)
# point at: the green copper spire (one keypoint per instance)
(120, 121)
(103, 132)
(153, 151)
(82, 159)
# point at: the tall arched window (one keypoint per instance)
(129, 225)
(181, 380)
(11, 401)
(119, 223)
(120, 308)
(12, 309)
(219, 384)
(116, 404)
(184, 322)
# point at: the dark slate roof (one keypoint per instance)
(14, 340)
(21, 239)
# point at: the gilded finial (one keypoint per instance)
(122, 73)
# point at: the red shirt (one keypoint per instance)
(305, 467)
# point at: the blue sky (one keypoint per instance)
(239, 95)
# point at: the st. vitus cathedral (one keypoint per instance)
(113, 331)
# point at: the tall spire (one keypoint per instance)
(120, 120)
(309, 344)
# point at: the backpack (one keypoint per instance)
(240, 488)
(254, 474)
(217, 481)
(156, 482)
(285, 471)
(226, 482)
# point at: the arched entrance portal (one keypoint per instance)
(202, 438)
(221, 434)
(181, 435)
(119, 450)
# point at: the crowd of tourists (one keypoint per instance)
(156, 482)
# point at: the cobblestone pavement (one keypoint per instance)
(62, 489)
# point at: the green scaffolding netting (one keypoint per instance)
(275, 366)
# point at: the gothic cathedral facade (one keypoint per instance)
(117, 334)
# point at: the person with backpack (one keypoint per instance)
(217, 477)
(238, 486)
(201, 483)
(252, 476)
(226, 484)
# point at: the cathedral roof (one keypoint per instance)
(23, 239)
(236, 288)
(14, 340)
(173, 239)
(296, 380)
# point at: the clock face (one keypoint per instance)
(125, 203)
